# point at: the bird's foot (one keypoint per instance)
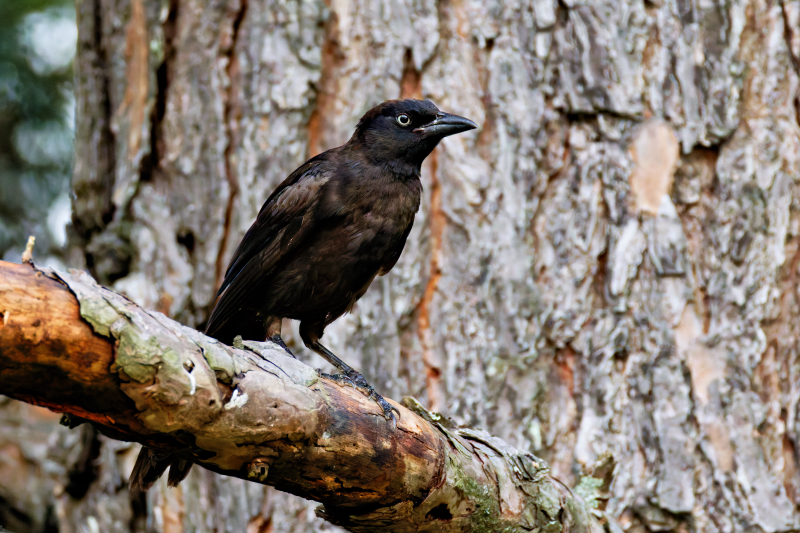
(279, 341)
(339, 379)
(358, 382)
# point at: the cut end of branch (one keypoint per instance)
(27, 255)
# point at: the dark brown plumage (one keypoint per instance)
(323, 235)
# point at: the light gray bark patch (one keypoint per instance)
(625, 256)
(596, 72)
(676, 435)
(293, 369)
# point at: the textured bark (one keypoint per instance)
(608, 267)
(261, 415)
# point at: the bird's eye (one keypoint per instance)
(403, 120)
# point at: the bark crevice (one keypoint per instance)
(231, 116)
(164, 74)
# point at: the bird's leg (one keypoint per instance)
(273, 324)
(348, 375)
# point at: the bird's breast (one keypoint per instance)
(377, 199)
(375, 215)
(390, 209)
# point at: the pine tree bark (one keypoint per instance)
(605, 271)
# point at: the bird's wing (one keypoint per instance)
(294, 197)
(285, 219)
(391, 260)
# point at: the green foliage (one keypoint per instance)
(37, 39)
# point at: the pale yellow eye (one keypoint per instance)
(403, 120)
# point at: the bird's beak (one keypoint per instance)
(446, 124)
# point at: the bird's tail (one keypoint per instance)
(151, 464)
(247, 325)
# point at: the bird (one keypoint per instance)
(320, 239)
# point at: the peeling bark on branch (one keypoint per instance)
(255, 413)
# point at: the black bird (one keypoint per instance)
(323, 235)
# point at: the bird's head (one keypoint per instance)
(402, 133)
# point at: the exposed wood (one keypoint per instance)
(256, 413)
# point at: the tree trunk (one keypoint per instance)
(604, 273)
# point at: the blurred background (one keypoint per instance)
(604, 273)
(37, 126)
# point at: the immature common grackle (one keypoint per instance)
(323, 235)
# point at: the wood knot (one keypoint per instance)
(258, 469)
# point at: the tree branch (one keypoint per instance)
(258, 414)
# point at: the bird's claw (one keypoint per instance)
(358, 382)
(385, 406)
(276, 339)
